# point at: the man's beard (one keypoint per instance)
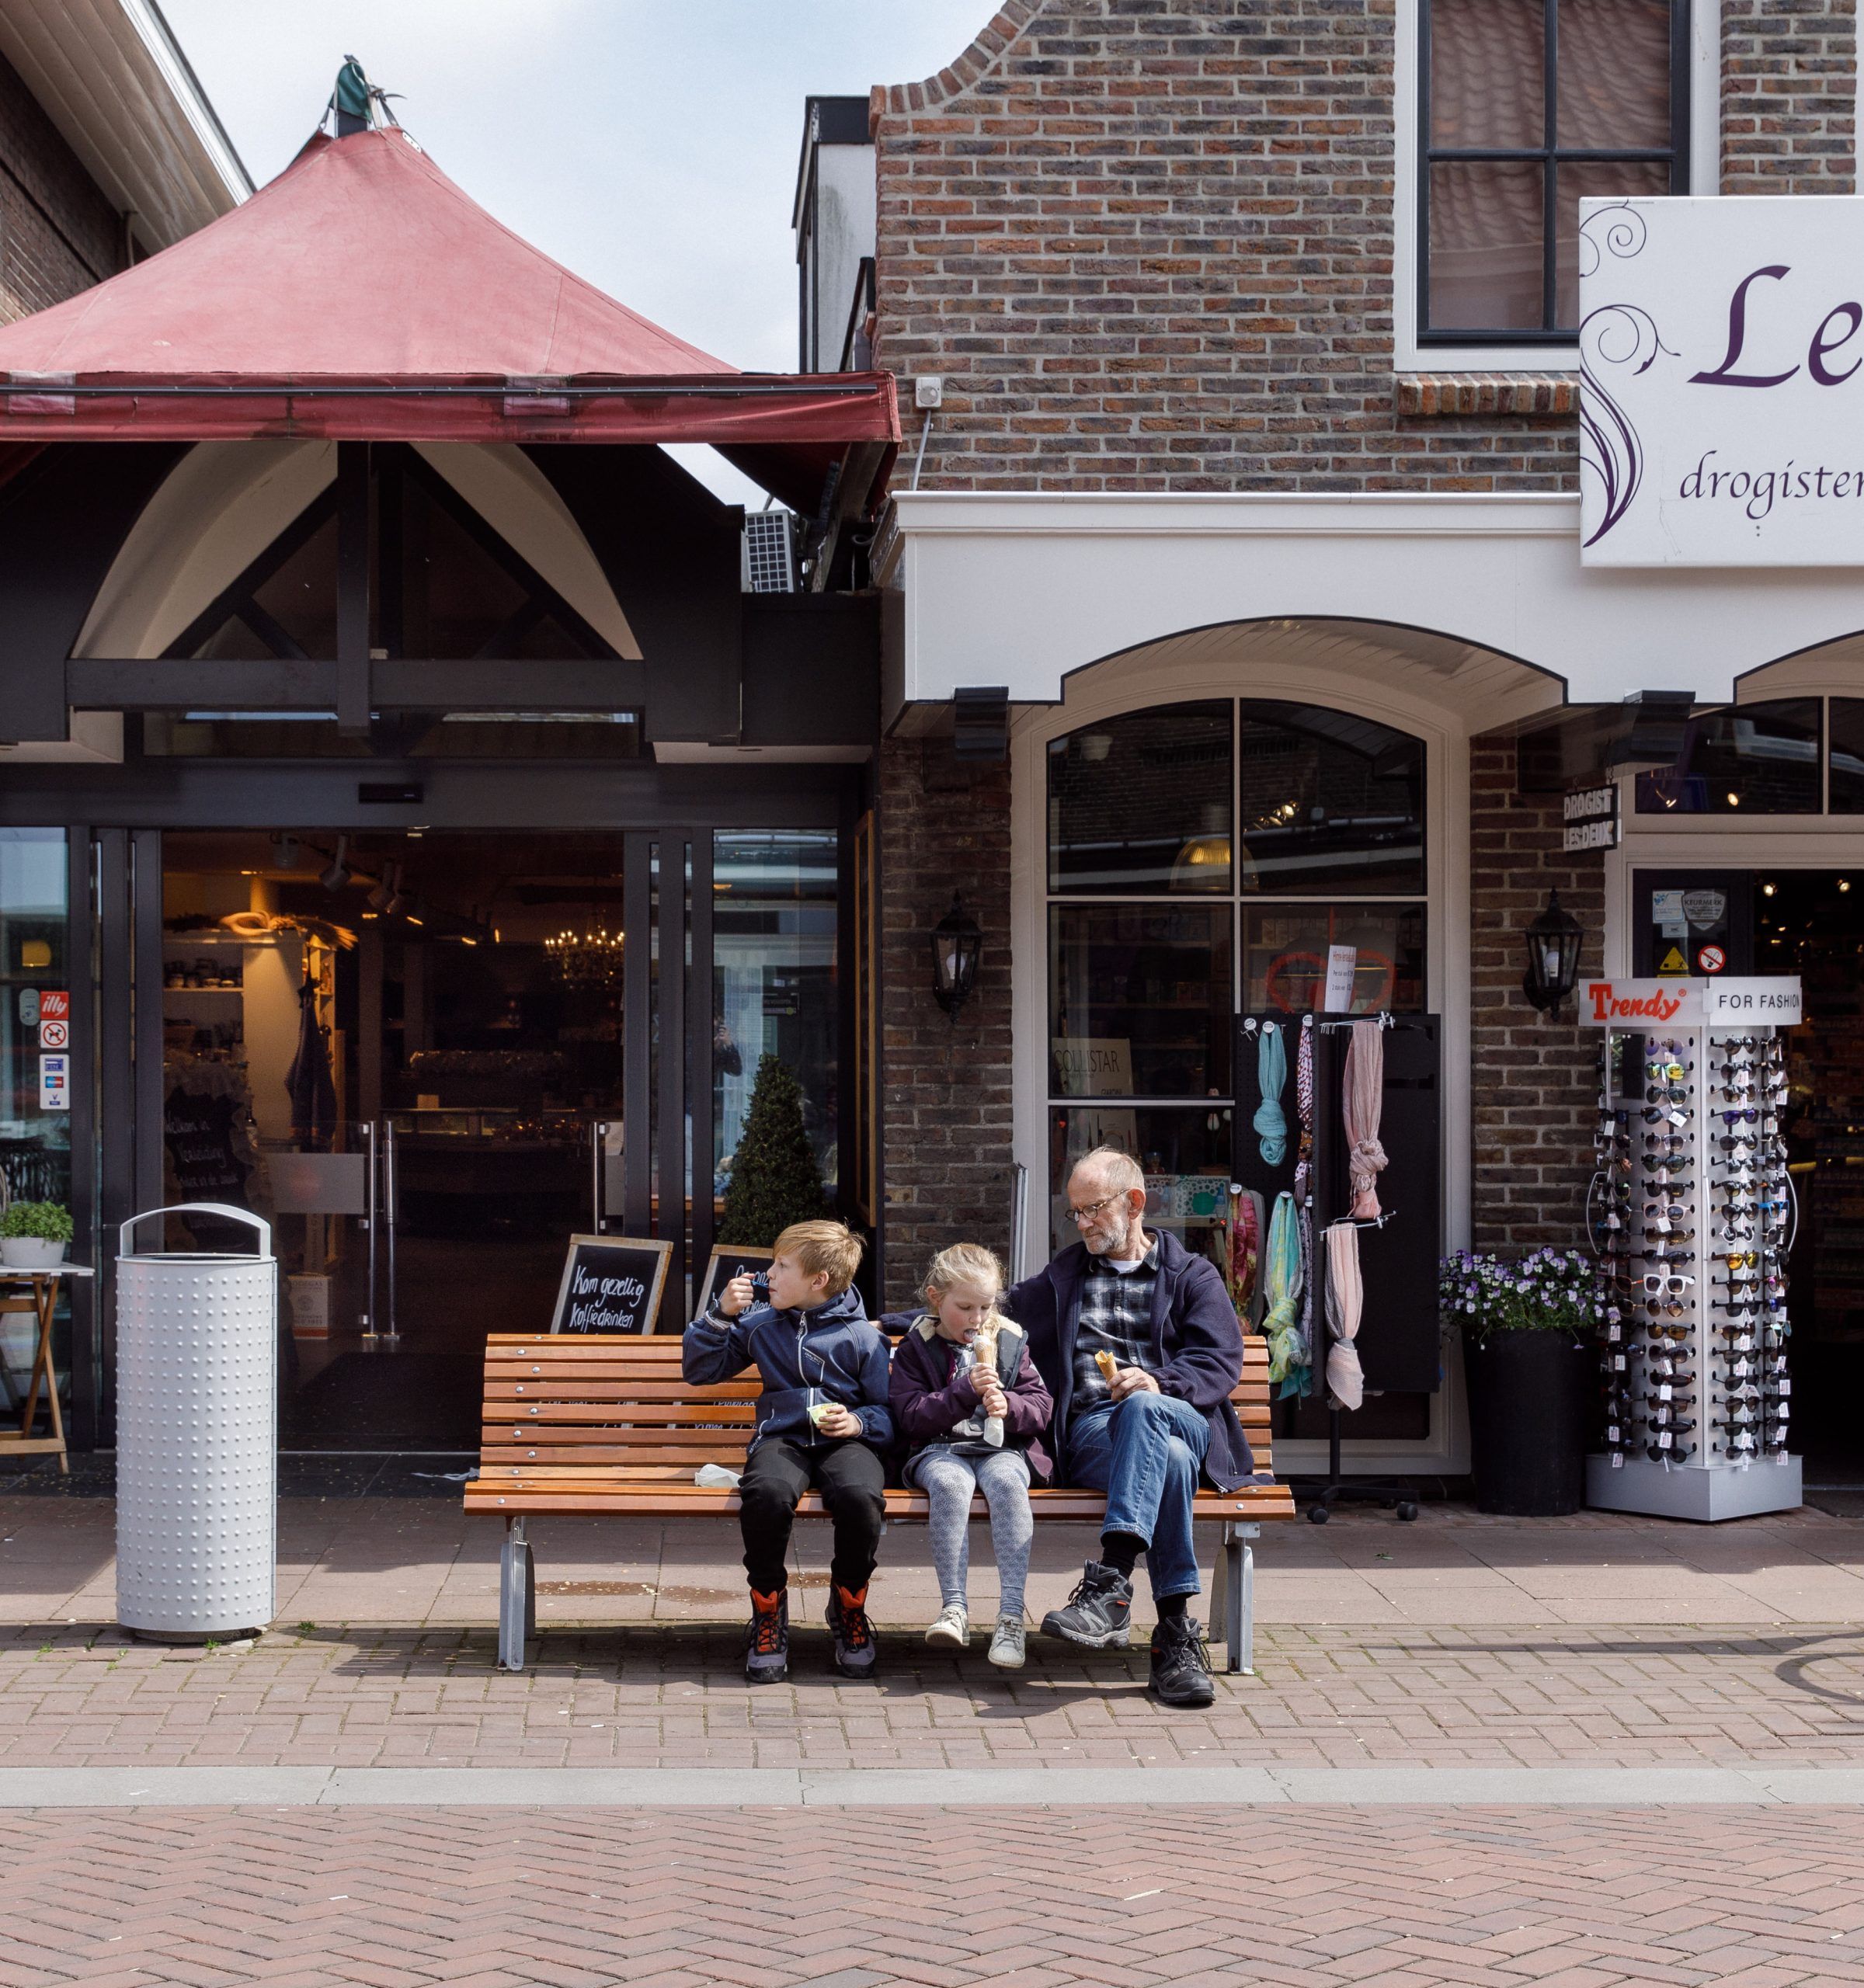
(1112, 1242)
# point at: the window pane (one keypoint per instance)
(1485, 246)
(1847, 777)
(1755, 759)
(1614, 76)
(1139, 1001)
(773, 905)
(1143, 803)
(1330, 802)
(1285, 957)
(1488, 69)
(1593, 180)
(1186, 1157)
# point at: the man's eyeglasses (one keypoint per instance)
(1085, 1215)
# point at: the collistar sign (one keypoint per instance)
(1722, 382)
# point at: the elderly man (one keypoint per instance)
(1161, 1320)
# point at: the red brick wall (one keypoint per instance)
(1788, 96)
(1152, 249)
(1534, 1082)
(946, 1088)
(59, 233)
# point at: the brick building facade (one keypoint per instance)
(59, 233)
(1161, 250)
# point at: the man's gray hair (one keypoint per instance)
(1117, 1171)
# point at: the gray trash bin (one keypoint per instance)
(197, 1434)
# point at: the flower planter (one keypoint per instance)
(30, 1253)
(1530, 1393)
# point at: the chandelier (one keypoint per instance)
(592, 957)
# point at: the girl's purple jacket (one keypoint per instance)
(928, 1403)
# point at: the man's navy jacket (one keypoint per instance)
(1197, 1344)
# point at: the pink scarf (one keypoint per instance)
(1363, 1094)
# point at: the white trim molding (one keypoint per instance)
(1021, 590)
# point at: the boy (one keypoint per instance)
(821, 1421)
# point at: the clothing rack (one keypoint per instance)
(1326, 1170)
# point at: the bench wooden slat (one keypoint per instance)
(649, 1499)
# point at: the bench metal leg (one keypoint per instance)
(517, 1597)
(1237, 1602)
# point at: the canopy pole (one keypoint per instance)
(353, 590)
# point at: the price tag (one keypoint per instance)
(1663, 1224)
(1664, 1393)
(1618, 1363)
(1785, 1389)
(1611, 1433)
(1663, 1440)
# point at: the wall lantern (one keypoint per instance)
(956, 942)
(1552, 941)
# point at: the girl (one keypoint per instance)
(966, 1396)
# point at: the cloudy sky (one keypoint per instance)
(650, 148)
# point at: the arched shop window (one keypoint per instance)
(1202, 859)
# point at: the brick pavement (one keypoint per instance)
(1413, 1898)
(652, 1697)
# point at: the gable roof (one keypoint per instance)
(362, 295)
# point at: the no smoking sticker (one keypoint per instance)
(1711, 959)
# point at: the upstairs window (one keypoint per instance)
(1528, 107)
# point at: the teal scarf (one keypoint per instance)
(1271, 1077)
(1288, 1362)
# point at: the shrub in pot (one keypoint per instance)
(34, 1235)
(1527, 1327)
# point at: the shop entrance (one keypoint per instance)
(431, 1059)
(1809, 922)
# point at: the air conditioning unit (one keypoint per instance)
(769, 552)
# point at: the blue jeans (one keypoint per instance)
(1146, 1453)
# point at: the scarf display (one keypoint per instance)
(1270, 1122)
(1304, 1105)
(1282, 1285)
(1345, 1300)
(1362, 1105)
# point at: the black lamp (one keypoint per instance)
(956, 942)
(1552, 940)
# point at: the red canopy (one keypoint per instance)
(362, 296)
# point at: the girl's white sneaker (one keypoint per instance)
(1007, 1644)
(952, 1630)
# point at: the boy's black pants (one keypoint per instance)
(849, 1475)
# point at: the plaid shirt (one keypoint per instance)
(1116, 1317)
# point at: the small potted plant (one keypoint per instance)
(1528, 1326)
(34, 1235)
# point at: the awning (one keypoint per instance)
(362, 296)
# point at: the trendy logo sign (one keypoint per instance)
(1722, 400)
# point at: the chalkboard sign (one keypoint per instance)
(611, 1284)
(727, 1263)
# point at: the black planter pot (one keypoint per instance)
(1529, 1395)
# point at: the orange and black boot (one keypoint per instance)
(856, 1650)
(766, 1640)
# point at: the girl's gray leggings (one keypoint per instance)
(950, 1481)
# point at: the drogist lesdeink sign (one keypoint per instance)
(1722, 400)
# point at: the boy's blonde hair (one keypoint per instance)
(968, 1263)
(823, 1246)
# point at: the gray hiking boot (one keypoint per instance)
(1181, 1664)
(1099, 1613)
(767, 1638)
(856, 1651)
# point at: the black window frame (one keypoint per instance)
(1549, 156)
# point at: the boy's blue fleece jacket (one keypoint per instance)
(832, 1348)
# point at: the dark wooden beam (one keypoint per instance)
(353, 588)
(116, 685)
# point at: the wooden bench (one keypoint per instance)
(587, 1425)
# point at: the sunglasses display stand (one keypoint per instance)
(1691, 1217)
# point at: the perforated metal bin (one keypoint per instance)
(197, 1434)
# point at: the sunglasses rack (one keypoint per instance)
(1692, 1216)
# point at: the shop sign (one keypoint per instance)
(1342, 964)
(1773, 1002)
(1721, 348)
(1640, 1004)
(1591, 819)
